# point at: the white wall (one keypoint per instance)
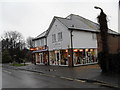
(83, 39)
(55, 29)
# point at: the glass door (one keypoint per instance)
(57, 57)
(41, 58)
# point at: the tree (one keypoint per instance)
(104, 38)
(13, 42)
(30, 43)
(12, 39)
(6, 58)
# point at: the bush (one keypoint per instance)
(114, 62)
(6, 58)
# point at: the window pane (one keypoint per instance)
(53, 38)
(60, 36)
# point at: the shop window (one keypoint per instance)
(37, 43)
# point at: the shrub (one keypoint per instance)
(6, 58)
(114, 62)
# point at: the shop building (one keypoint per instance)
(71, 41)
(40, 50)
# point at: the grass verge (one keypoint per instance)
(18, 65)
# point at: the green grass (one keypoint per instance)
(18, 64)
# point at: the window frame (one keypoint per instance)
(60, 36)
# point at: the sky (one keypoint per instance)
(32, 17)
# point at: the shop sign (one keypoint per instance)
(38, 48)
(32, 49)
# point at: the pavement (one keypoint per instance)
(88, 74)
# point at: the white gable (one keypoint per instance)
(56, 28)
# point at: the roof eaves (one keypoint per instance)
(48, 30)
(87, 30)
(41, 34)
(80, 29)
(113, 31)
(38, 38)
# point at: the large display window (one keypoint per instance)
(84, 56)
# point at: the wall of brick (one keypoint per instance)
(113, 43)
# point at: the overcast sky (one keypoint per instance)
(32, 17)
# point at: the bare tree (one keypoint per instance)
(13, 42)
(12, 39)
(29, 42)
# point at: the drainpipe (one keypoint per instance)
(71, 55)
(47, 51)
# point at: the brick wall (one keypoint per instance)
(119, 44)
(113, 43)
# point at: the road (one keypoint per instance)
(24, 79)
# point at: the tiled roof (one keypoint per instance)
(41, 35)
(75, 22)
(80, 23)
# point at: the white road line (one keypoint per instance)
(67, 78)
(80, 80)
(7, 71)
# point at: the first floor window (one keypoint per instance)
(54, 38)
(60, 36)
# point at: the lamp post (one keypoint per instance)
(104, 39)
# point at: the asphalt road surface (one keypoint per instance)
(25, 79)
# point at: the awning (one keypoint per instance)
(37, 51)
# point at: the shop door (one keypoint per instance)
(58, 58)
(41, 58)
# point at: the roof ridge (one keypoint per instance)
(87, 22)
(61, 17)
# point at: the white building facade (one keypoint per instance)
(69, 41)
(60, 39)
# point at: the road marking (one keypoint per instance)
(79, 80)
(67, 78)
(7, 71)
(82, 81)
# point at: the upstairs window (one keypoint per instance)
(42, 42)
(60, 36)
(54, 38)
(94, 36)
(37, 43)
